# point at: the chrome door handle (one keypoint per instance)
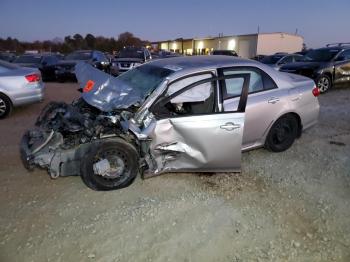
(273, 100)
(230, 126)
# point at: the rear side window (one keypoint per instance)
(3, 69)
(259, 81)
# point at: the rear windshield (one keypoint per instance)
(131, 53)
(272, 59)
(5, 66)
(28, 59)
(78, 56)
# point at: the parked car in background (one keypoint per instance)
(18, 86)
(128, 58)
(328, 66)
(7, 56)
(224, 52)
(279, 59)
(65, 68)
(44, 62)
(193, 114)
(258, 57)
(164, 54)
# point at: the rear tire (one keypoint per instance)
(282, 134)
(5, 106)
(324, 83)
(123, 159)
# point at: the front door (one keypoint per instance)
(192, 133)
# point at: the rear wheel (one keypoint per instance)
(5, 106)
(109, 165)
(324, 83)
(282, 134)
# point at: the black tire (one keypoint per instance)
(5, 106)
(324, 83)
(282, 134)
(114, 151)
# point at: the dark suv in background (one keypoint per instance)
(328, 66)
(44, 62)
(128, 58)
(65, 68)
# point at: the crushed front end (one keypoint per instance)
(63, 133)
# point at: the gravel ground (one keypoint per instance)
(290, 206)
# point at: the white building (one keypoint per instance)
(246, 46)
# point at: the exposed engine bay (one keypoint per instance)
(64, 131)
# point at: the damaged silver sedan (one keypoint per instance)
(183, 114)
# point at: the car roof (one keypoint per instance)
(199, 62)
(185, 65)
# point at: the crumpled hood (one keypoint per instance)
(302, 65)
(104, 91)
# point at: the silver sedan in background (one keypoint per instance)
(18, 86)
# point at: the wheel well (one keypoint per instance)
(329, 74)
(1, 93)
(300, 126)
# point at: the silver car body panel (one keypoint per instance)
(14, 85)
(200, 143)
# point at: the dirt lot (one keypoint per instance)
(290, 206)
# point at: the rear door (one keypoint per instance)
(264, 102)
(192, 133)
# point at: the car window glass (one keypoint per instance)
(346, 55)
(199, 99)
(176, 86)
(3, 69)
(298, 58)
(234, 86)
(286, 60)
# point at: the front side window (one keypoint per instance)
(189, 96)
(286, 60)
(345, 55)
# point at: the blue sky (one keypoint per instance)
(319, 22)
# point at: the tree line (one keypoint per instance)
(75, 42)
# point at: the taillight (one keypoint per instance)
(316, 91)
(33, 78)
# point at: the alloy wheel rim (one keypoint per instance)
(323, 84)
(2, 107)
